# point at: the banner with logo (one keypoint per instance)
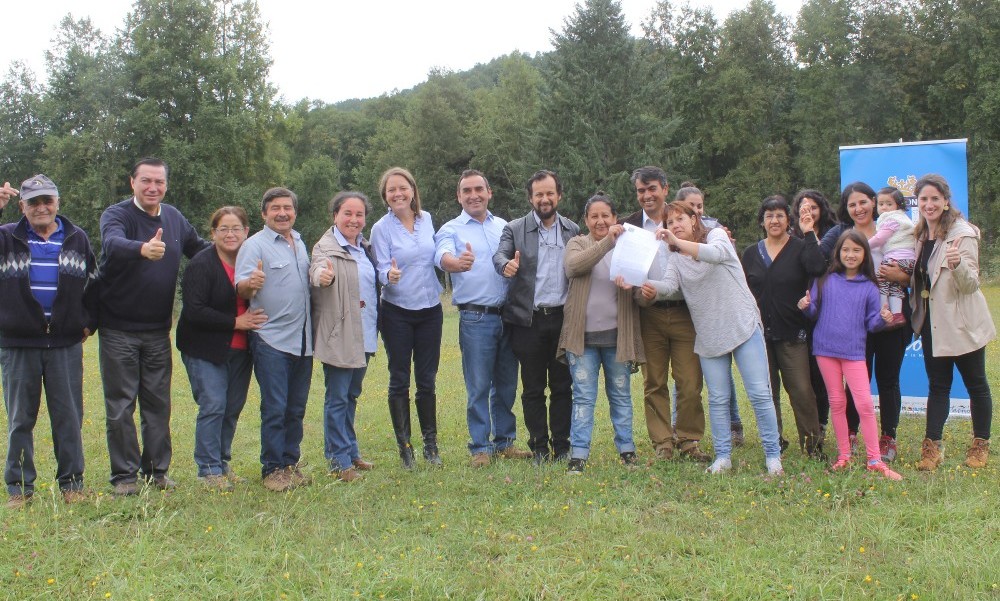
(901, 165)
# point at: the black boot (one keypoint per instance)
(406, 454)
(431, 453)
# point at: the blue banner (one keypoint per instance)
(901, 165)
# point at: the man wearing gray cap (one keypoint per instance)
(47, 271)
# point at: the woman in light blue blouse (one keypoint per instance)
(410, 312)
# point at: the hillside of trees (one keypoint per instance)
(745, 107)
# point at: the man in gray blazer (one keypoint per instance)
(530, 254)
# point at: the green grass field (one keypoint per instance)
(509, 531)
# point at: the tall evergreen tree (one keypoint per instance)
(591, 110)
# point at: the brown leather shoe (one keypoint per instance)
(665, 453)
(363, 465)
(126, 489)
(978, 454)
(349, 475)
(296, 477)
(479, 460)
(512, 453)
(217, 482)
(692, 451)
(74, 496)
(278, 481)
(931, 455)
(16, 502)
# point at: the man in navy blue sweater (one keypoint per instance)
(142, 242)
(46, 273)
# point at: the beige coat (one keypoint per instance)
(338, 334)
(959, 315)
(582, 253)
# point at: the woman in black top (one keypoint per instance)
(779, 269)
(211, 336)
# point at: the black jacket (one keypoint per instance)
(522, 235)
(22, 320)
(208, 317)
(779, 287)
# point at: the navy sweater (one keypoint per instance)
(22, 320)
(136, 294)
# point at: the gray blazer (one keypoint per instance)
(522, 235)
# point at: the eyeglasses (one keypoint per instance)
(225, 231)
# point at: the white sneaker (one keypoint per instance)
(720, 465)
(774, 466)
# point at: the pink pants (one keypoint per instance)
(835, 371)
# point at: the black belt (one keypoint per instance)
(479, 308)
(549, 310)
(669, 304)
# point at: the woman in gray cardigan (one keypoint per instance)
(727, 325)
(600, 328)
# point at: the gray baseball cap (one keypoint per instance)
(38, 185)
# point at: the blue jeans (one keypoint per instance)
(751, 360)
(220, 390)
(490, 371)
(617, 385)
(734, 407)
(26, 371)
(343, 387)
(284, 389)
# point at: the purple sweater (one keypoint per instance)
(848, 310)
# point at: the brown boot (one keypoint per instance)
(931, 455)
(978, 453)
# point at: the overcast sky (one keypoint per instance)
(339, 49)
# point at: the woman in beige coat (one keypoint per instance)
(951, 315)
(344, 306)
(600, 328)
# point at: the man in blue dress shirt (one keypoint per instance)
(488, 363)
(272, 272)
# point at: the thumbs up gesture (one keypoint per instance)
(155, 248)
(256, 280)
(395, 273)
(804, 302)
(326, 274)
(952, 255)
(6, 193)
(510, 269)
(466, 259)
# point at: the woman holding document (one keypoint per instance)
(600, 329)
(706, 269)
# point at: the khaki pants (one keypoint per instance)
(668, 340)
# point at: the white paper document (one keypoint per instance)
(634, 252)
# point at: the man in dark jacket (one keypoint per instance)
(47, 272)
(530, 255)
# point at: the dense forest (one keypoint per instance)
(752, 105)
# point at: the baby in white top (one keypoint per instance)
(894, 236)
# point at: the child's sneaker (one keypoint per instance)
(774, 466)
(720, 465)
(887, 448)
(840, 464)
(880, 467)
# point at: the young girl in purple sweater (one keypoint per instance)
(845, 304)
